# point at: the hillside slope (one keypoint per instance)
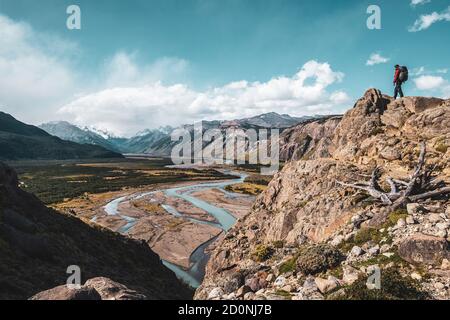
(315, 231)
(37, 245)
(21, 141)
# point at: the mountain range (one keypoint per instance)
(158, 142)
(22, 141)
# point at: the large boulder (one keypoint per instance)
(111, 290)
(424, 249)
(65, 293)
(94, 289)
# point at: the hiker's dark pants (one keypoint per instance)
(398, 90)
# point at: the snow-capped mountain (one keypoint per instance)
(67, 131)
(158, 142)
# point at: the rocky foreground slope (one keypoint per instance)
(365, 191)
(37, 245)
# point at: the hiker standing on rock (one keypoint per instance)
(400, 76)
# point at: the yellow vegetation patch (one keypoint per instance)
(247, 188)
(148, 207)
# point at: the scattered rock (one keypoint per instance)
(374, 250)
(337, 295)
(242, 291)
(326, 285)
(280, 281)
(390, 154)
(337, 240)
(443, 226)
(249, 296)
(385, 248)
(415, 208)
(356, 251)
(351, 275)
(287, 288)
(256, 283)
(401, 223)
(445, 264)
(439, 286)
(416, 276)
(434, 218)
(215, 293)
(410, 220)
(270, 277)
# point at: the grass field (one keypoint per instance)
(56, 181)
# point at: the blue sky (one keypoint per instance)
(136, 64)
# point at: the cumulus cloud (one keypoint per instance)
(434, 84)
(415, 3)
(376, 58)
(32, 76)
(427, 20)
(126, 110)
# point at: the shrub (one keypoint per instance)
(262, 253)
(393, 287)
(288, 266)
(396, 215)
(318, 258)
(278, 244)
(442, 148)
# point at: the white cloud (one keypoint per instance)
(126, 110)
(376, 58)
(429, 82)
(122, 69)
(419, 71)
(39, 83)
(434, 84)
(415, 3)
(38, 72)
(32, 76)
(427, 20)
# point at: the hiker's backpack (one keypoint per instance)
(404, 74)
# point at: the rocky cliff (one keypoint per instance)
(359, 193)
(37, 245)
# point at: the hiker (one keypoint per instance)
(401, 76)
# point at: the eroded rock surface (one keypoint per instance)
(304, 205)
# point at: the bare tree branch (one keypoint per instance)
(420, 186)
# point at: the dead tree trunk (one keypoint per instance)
(421, 185)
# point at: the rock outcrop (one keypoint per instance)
(94, 289)
(37, 245)
(304, 204)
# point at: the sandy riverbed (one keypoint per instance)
(173, 238)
